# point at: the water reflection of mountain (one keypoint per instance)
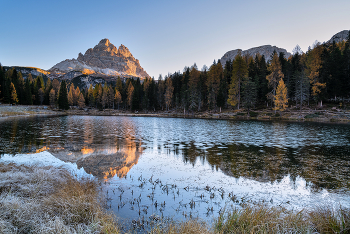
(107, 166)
(322, 167)
(104, 146)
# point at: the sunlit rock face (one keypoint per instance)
(104, 59)
(340, 36)
(265, 50)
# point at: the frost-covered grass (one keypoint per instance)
(47, 199)
(190, 226)
(263, 219)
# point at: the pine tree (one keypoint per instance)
(14, 97)
(20, 88)
(130, 94)
(275, 76)
(110, 97)
(213, 83)
(41, 95)
(194, 92)
(239, 73)
(161, 91)
(281, 99)
(7, 90)
(118, 97)
(48, 88)
(62, 97)
(302, 89)
(81, 101)
(52, 97)
(28, 92)
(71, 95)
(169, 90)
(91, 99)
(249, 94)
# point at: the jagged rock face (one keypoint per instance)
(103, 59)
(265, 50)
(340, 36)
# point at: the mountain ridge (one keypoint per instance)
(265, 50)
(104, 59)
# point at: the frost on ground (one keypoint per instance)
(41, 198)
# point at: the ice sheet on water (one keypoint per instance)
(45, 159)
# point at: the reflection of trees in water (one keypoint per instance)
(321, 167)
(102, 145)
(19, 136)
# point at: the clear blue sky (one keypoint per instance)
(164, 35)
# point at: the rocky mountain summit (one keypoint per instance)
(265, 50)
(340, 36)
(103, 60)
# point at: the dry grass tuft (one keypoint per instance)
(37, 199)
(328, 220)
(263, 219)
(191, 226)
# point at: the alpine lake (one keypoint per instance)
(154, 168)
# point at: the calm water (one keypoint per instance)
(153, 167)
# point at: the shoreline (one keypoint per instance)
(307, 115)
(66, 203)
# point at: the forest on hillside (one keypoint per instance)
(322, 74)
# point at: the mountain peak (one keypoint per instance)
(265, 50)
(104, 59)
(105, 42)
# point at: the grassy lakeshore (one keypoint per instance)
(327, 114)
(46, 199)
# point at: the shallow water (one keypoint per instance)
(153, 167)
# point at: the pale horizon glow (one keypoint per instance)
(164, 36)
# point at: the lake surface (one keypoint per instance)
(180, 168)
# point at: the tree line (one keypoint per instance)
(321, 74)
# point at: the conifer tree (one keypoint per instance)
(28, 92)
(275, 76)
(62, 97)
(77, 93)
(161, 91)
(41, 95)
(110, 97)
(118, 97)
(193, 84)
(239, 74)
(48, 87)
(71, 95)
(168, 96)
(249, 94)
(56, 86)
(313, 66)
(130, 94)
(146, 89)
(302, 89)
(91, 99)
(20, 88)
(213, 83)
(81, 101)
(14, 97)
(52, 97)
(281, 99)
